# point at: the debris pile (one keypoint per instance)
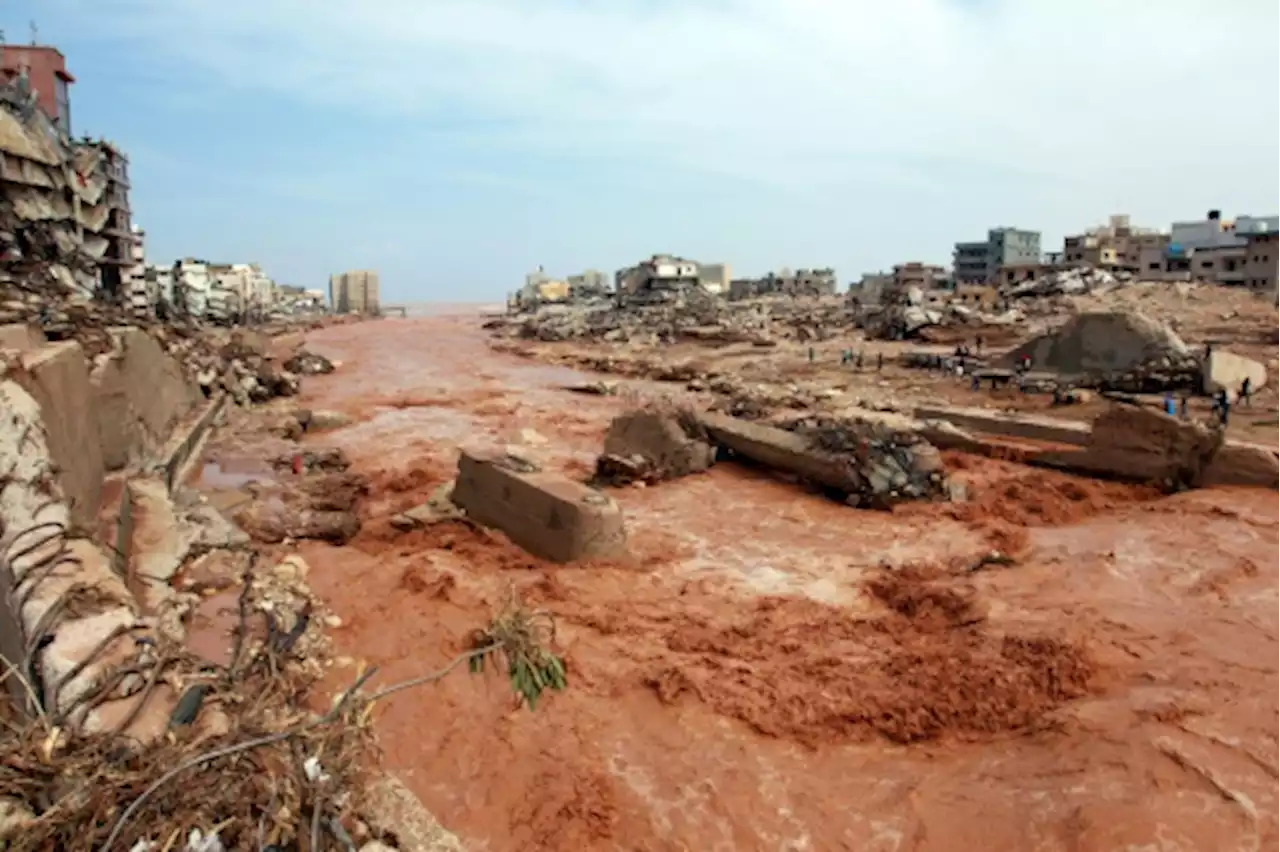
(912, 313)
(1114, 350)
(651, 444)
(889, 459)
(691, 314)
(1068, 282)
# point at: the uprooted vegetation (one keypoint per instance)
(243, 763)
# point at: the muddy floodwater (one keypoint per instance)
(774, 671)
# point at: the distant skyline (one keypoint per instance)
(455, 146)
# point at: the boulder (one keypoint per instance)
(1227, 370)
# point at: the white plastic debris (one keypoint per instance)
(143, 846)
(197, 841)
(314, 771)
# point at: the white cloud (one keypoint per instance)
(783, 90)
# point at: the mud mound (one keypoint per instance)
(928, 603)
(801, 670)
(1005, 501)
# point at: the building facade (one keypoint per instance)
(355, 292)
(916, 274)
(978, 262)
(45, 69)
(1262, 257)
(1117, 245)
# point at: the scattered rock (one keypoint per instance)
(323, 421)
(305, 363)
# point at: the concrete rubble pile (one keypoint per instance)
(889, 459)
(1068, 282)
(1114, 350)
(690, 314)
(909, 316)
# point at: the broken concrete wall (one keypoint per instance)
(66, 602)
(57, 377)
(141, 394)
(547, 514)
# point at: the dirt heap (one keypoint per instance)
(1126, 350)
(653, 443)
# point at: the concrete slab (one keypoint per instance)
(1029, 427)
(57, 376)
(548, 515)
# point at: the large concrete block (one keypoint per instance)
(57, 376)
(1242, 464)
(141, 394)
(548, 515)
(1224, 370)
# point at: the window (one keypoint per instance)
(63, 100)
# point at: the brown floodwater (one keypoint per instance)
(774, 671)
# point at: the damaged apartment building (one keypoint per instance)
(667, 277)
(802, 283)
(65, 202)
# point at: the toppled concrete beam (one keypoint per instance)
(548, 515)
(1145, 445)
(1026, 426)
(781, 450)
(1242, 464)
(57, 377)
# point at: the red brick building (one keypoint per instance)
(46, 69)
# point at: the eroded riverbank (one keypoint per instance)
(743, 682)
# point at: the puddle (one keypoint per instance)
(233, 473)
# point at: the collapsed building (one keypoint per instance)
(803, 283)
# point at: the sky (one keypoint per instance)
(455, 145)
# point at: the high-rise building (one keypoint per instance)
(46, 71)
(354, 292)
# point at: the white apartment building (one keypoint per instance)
(141, 298)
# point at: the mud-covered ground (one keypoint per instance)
(771, 670)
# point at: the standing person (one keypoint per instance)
(1223, 404)
(810, 354)
(977, 344)
(1184, 406)
(976, 384)
(879, 361)
(858, 362)
(1170, 406)
(1246, 387)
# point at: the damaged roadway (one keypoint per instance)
(1102, 648)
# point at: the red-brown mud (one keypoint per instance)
(774, 671)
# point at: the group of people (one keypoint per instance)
(847, 356)
(1221, 402)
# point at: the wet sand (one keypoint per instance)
(755, 677)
